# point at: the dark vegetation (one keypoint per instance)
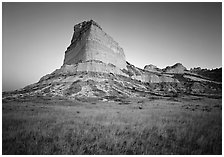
(214, 74)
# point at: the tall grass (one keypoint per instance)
(109, 128)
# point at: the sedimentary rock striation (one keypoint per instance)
(95, 66)
(91, 43)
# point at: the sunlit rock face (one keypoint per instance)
(148, 75)
(151, 68)
(91, 43)
(95, 66)
(177, 68)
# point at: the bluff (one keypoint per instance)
(95, 66)
(92, 49)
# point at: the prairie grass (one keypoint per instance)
(162, 126)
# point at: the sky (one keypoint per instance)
(36, 35)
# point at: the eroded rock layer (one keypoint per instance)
(95, 66)
(90, 42)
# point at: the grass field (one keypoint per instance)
(186, 125)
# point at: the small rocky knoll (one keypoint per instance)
(176, 68)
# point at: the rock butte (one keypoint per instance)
(95, 66)
(94, 49)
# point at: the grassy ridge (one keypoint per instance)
(158, 127)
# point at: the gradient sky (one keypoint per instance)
(36, 35)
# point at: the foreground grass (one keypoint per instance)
(157, 126)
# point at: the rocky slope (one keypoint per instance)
(95, 66)
(214, 74)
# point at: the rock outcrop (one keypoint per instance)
(148, 76)
(152, 68)
(177, 68)
(213, 74)
(95, 66)
(90, 42)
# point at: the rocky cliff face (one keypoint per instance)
(91, 43)
(176, 68)
(95, 66)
